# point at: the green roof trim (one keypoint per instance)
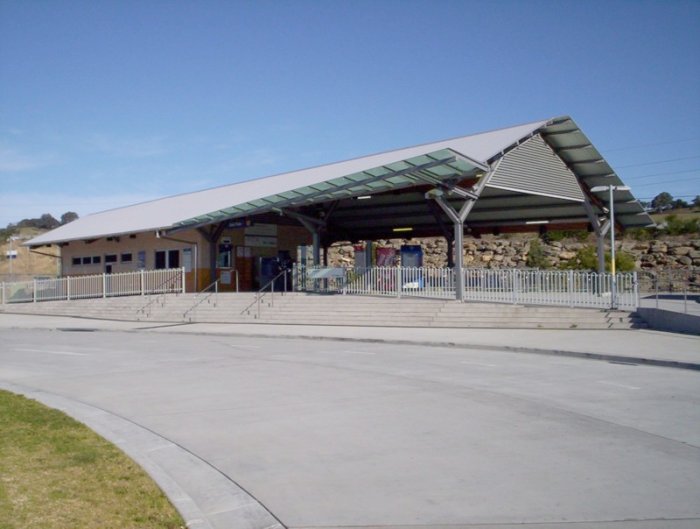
(441, 165)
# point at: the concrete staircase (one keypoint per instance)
(314, 309)
(168, 308)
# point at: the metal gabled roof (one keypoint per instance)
(177, 210)
(427, 164)
(580, 155)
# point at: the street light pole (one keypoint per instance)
(611, 206)
(613, 286)
(12, 256)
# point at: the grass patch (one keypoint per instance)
(57, 473)
(682, 213)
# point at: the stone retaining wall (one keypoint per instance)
(679, 256)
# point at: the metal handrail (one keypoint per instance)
(160, 295)
(261, 294)
(574, 288)
(197, 302)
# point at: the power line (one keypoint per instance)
(658, 162)
(651, 145)
(659, 174)
(668, 182)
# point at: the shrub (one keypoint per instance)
(587, 259)
(639, 234)
(560, 235)
(624, 262)
(536, 257)
(678, 226)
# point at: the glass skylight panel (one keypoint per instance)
(323, 186)
(399, 166)
(377, 172)
(306, 191)
(275, 199)
(440, 170)
(422, 160)
(290, 195)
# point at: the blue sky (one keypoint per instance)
(109, 103)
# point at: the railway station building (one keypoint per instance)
(544, 175)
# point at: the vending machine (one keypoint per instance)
(411, 256)
(411, 263)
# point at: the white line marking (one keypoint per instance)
(67, 353)
(617, 385)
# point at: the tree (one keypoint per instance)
(68, 216)
(680, 203)
(696, 201)
(6, 233)
(662, 201)
(47, 221)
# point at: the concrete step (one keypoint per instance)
(301, 308)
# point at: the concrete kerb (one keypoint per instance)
(200, 329)
(204, 496)
(502, 348)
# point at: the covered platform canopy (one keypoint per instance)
(535, 176)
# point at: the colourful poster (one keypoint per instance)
(386, 256)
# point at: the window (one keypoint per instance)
(87, 260)
(126, 258)
(160, 260)
(167, 259)
(96, 259)
(112, 258)
(75, 261)
(174, 259)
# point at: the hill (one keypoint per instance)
(27, 264)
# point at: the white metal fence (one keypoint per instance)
(399, 281)
(569, 288)
(143, 282)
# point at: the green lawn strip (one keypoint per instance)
(57, 473)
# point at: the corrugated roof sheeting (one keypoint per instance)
(533, 168)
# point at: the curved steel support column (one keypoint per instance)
(600, 228)
(458, 218)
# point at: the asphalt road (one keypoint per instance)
(331, 434)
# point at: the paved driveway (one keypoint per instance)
(329, 434)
